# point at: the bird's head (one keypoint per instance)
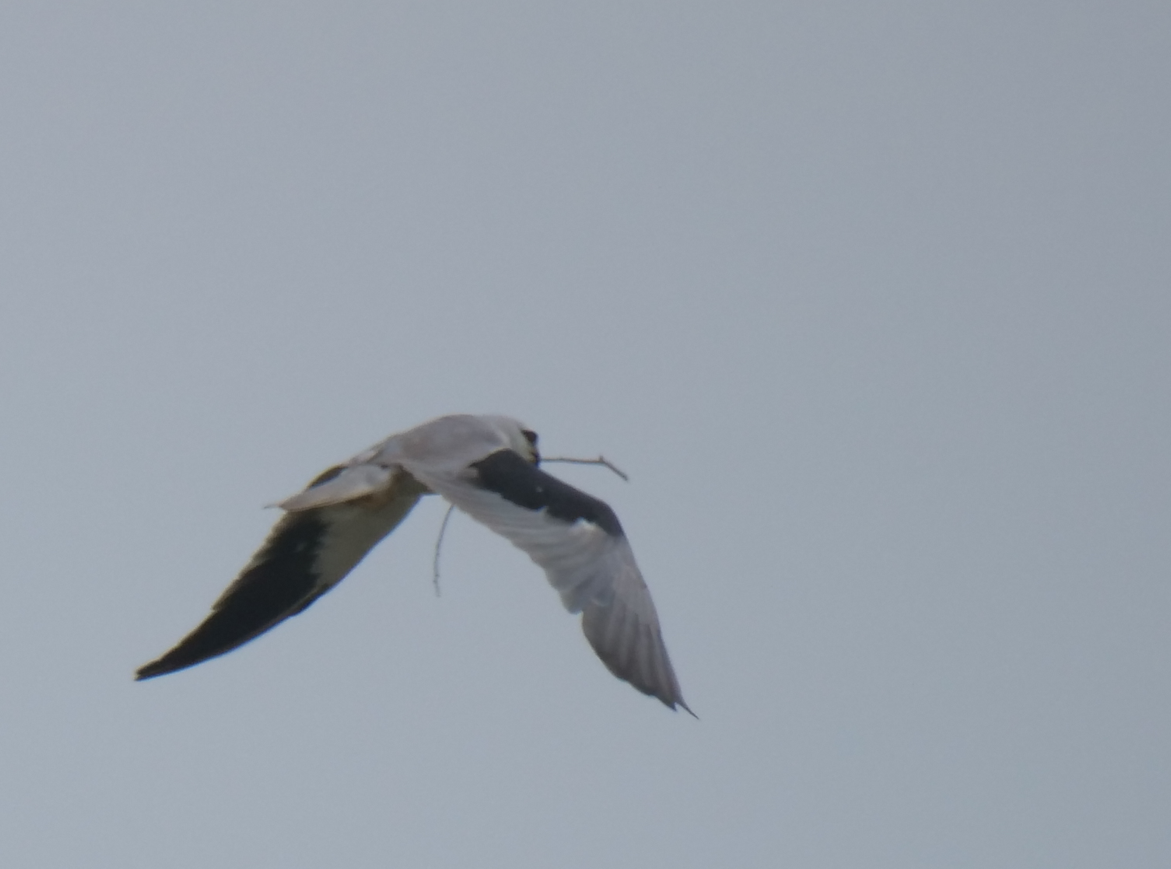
(521, 439)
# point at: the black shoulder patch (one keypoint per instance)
(279, 586)
(513, 478)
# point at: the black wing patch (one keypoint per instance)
(279, 584)
(515, 479)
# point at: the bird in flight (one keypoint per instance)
(486, 466)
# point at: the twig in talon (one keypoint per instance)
(600, 460)
(438, 542)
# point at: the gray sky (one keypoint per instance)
(871, 301)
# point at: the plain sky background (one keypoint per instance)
(872, 302)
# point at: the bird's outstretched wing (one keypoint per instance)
(580, 543)
(331, 526)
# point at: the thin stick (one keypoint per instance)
(438, 541)
(600, 460)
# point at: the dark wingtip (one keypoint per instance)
(280, 582)
(162, 666)
(209, 640)
(679, 704)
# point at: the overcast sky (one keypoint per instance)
(872, 302)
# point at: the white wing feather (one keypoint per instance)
(594, 572)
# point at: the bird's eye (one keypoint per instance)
(530, 436)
